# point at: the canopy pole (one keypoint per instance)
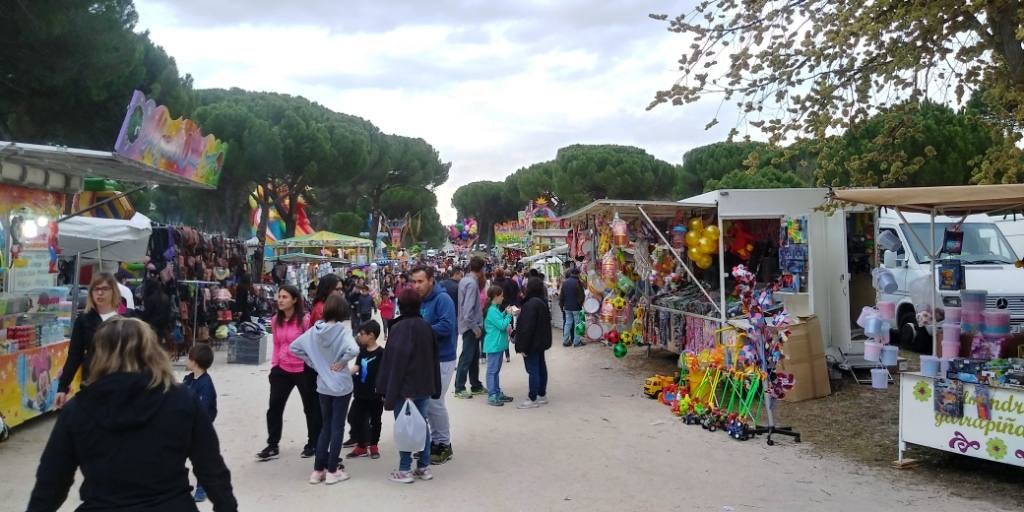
(721, 266)
(934, 286)
(681, 262)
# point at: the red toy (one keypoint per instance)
(742, 241)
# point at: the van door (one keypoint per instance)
(838, 285)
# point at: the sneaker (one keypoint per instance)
(505, 398)
(349, 444)
(495, 401)
(308, 452)
(423, 473)
(374, 452)
(462, 393)
(200, 495)
(528, 404)
(401, 477)
(566, 344)
(357, 452)
(542, 400)
(338, 476)
(268, 453)
(317, 477)
(442, 455)
(479, 391)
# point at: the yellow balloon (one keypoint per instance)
(694, 253)
(696, 224)
(704, 262)
(692, 238)
(712, 232)
(707, 245)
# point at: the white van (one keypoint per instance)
(987, 257)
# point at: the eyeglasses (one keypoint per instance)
(104, 289)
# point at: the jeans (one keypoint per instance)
(468, 364)
(405, 458)
(365, 420)
(493, 370)
(328, 449)
(537, 368)
(281, 384)
(440, 426)
(569, 322)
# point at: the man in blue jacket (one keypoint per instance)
(438, 310)
(571, 299)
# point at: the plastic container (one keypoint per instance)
(887, 310)
(950, 349)
(888, 240)
(930, 366)
(879, 378)
(953, 315)
(944, 364)
(872, 350)
(972, 322)
(866, 313)
(875, 326)
(887, 282)
(951, 332)
(973, 300)
(997, 321)
(890, 355)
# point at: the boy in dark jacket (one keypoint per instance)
(200, 359)
(365, 304)
(367, 406)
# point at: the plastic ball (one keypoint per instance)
(692, 238)
(619, 350)
(581, 329)
(613, 337)
(696, 224)
(619, 302)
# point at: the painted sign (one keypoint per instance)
(997, 434)
(32, 272)
(151, 136)
(28, 381)
(510, 232)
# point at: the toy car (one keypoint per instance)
(654, 385)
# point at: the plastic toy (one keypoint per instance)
(620, 232)
(619, 302)
(613, 337)
(654, 385)
(742, 241)
(619, 350)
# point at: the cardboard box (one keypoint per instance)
(812, 380)
(805, 341)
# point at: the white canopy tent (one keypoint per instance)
(99, 239)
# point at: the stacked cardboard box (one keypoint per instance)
(805, 359)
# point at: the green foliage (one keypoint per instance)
(490, 202)
(765, 177)
(585, 173)
(346, 223)
(743, 165)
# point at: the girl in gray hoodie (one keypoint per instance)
(328, 345)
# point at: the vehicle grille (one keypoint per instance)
(1014, 303)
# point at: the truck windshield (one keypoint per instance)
(983, 242)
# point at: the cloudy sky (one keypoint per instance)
(493, 85)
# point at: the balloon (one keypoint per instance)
(707, 245)
(459, 227)
(704, 262)
(619, 350)
(612, 337)
(692, 238)
(694, 253)
(712, 232)
(696, 224)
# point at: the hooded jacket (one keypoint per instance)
(533, 329)
(80, 349)
(131, 443)
(323, 345)
(438, 310)
(411, 367)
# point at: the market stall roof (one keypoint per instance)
(950, 201)
(64, 169)
(106, 239)
(627, 208)
(324, 239)
(300, 257)
(561, 249)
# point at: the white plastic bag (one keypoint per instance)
(410, 429)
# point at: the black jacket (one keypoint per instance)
(571, 295)
(510, 290)
(451, 287)
(131, 444)
(533, 329)
(411, 367)
(80, 349)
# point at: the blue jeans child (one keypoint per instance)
(493, 371)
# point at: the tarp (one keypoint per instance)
(324, 239)
(950, 201)
(107, 239)
(562, 249)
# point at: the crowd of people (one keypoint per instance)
(345, 365)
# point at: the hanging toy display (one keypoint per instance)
(620, 232)
(613, 337)
(607, 311)
(619, 303)
(702, 243)
(609, 268)
(679, 237)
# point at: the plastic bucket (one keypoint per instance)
(872, 350)
(889, 241)
(951, 332)
(874, 327)
(997, 319)
(953, 315)
(866, 313)
(879, 378)
(944, 364)
(973, 300)
(887, 282)
(887, 310)
(890, 355)
(930, 366)
(950, 349)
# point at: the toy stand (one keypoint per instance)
(769, 406)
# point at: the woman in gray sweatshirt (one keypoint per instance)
(327, 347)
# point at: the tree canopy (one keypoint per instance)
(490, 202)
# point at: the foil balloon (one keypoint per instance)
(696, 224)
(712, 232)
(692, 238)
(619, 350)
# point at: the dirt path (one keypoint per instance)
(600, 445)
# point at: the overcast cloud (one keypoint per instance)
(494, 86)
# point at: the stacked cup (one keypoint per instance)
(972, 309)
(997, 324)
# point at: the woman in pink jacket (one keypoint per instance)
(287, 372)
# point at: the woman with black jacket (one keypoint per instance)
(130, 431)
(533, 338)
(101, 305)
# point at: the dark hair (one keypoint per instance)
(370, 327)
(409, 302)
(535, 287)
(499, 274)
(494, 291)
(326, 287)
(429, 271)
(300, 307)
(336, 309)
(202, 354)
(476, 264)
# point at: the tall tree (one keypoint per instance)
(588, 172)
(765, 177)
(489, 202)
(809, 68)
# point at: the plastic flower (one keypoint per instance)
(922, 391)
(996, 448)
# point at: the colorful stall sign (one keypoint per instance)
(957, 421)
(151, 136)
(510, 232)
(28, 382)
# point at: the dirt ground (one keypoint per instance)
(600, 445)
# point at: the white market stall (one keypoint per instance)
(976, 407)
(94, 238)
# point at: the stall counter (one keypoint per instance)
(998, 439)
(28, 381)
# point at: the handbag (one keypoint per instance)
(410, 429)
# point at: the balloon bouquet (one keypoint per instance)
(463, 233)
(701, 242)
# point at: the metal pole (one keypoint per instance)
(680, 260)
(74, 287)
(721, 267)
(934, 285)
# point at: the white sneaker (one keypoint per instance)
(402, 477)
(317, 477)
(527, 404)
(337, 476)
(423, 473)
(542, 400)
